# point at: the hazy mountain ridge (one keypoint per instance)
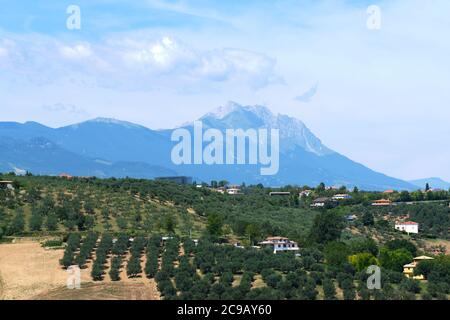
(44, 157)
(434, 183)
(304, 159)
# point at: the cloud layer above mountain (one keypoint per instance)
(163, 62)
(132, 63)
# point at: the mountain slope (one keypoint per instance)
(44, 157)
(293, 132)
(114, 140)
(304, 159)
(99, 138)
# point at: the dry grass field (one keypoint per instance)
(104, 291)
(28, 271)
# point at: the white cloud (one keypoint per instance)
(3, 56)
(259, 68)
(307, 96)
(6, 45)
(68, 109)
(155, 55)
(128, 62)
(78, 51)
(181, 61)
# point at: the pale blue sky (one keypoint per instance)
(379, 97)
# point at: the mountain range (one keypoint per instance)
(107, 147)
(434, 183)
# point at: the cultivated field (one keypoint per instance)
(28, 271)
(104, 291)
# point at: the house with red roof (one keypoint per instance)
(408, 227)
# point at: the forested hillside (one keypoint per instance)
(115, 227)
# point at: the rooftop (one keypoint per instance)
(322, 199)
(423, 258)
(276, 238)
(407, 223)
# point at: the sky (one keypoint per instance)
(379, 96)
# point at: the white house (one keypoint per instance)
(408, 227)
(320, 202)
(233, 191)
(341, 197)
(305, 193)
(280, 244)
(6, 185)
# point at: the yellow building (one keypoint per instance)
(408, 269)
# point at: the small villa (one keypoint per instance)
(342, 197)
(233, 191)
(6, 185)
(320, 202)
(280, 244)
(382, 202)
(408, 269)
(408, 227)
